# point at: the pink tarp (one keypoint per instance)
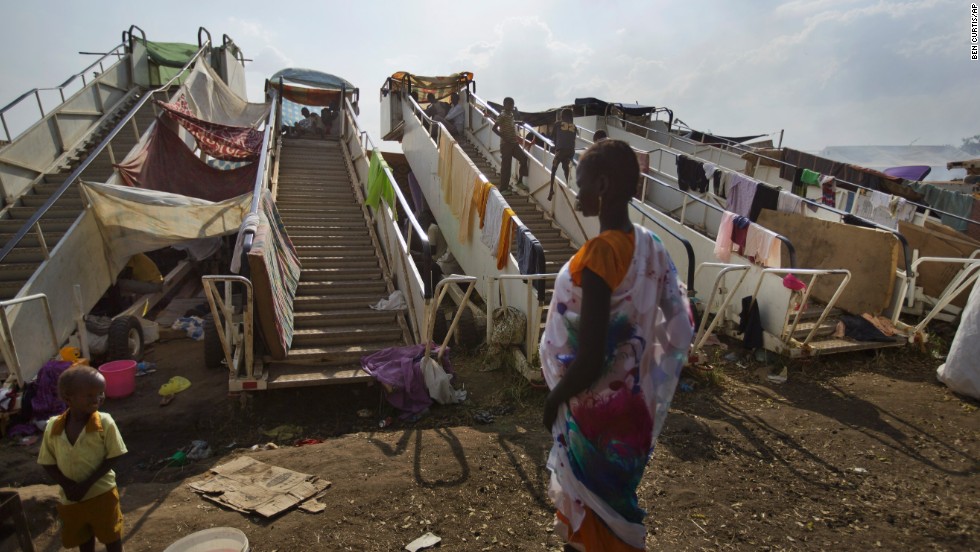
(229, 143)
(165, 164)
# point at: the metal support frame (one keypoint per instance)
(224, 313)
(704, 333)
(960, 283)
(7, 342)
(432, 310)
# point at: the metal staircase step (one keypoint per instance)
(326, 337)
(282, 375)
(340, 353)
(825, 329)
(343, 317)
(24, 213)
(335, 251)
(833, 345)
(17, 272)
(339, 241)
(9, 289)
(338, 275)
(377, 287)
(361, 263)
(59, 226)
(347, 301)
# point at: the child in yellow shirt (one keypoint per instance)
(78, 451)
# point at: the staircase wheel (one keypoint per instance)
(214, 354)
(125, 339)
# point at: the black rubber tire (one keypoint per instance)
(214, 354)
(125, 339)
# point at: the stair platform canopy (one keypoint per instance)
(331, 240)
(68, 219)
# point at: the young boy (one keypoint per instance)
(510, 147)
(78, 450)
(565, 134)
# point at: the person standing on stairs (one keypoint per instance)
(510, 146)
(565, 134)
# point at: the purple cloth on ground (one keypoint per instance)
(46, 402)
(400, 369)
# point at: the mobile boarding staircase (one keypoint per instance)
(558, 228)
(50, 237)
(353, 255)
(788, 329)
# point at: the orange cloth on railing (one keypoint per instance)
(481, 201)
(506, 232)
(466, 221)
(446, 144)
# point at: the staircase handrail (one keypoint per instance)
(565, 189)
(742, 148)
(75, 174)
(269, 140)
(406, 209)
(60, 88)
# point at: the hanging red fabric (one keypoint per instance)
(166, 164)
(228, 143)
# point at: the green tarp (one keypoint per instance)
(170, 54)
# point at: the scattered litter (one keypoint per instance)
(364, 413)
(488, 416)
(685, 386)
(394, 302)
(731, 357)
(266, 446)
(27, 440)
(144, 368)
(178, 458)
(175, 385)
(247, 485)
(859, 470)
(285, 432)
(199, 450)
(781, 377)
(425, 541)
(385, 422)
(438, 382)
(712, 340)
(304, 442)
(192, 325)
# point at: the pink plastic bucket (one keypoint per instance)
(120, 378)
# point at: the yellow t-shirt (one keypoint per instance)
(99, 440)
(608, 255)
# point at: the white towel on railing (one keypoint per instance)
(491, 221)
(789, 203)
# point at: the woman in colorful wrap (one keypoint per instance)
(617, 336)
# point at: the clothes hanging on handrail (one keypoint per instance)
(763, 247)
(691, 174)
(445, 168)
(481, 201)
(766, 197)
(740, 193)
(491, 222)
(828, 190)
(789, 203)
(506, 235)
(530, 256)
(723, 239)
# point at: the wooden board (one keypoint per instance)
(933, 242)
(869, 254)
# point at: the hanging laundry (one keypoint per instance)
(740, 229)
(828, 190)
(469, 207)
(810, 178)
(789, 203)
(228, 143)
(481, 201)
(418, 198)
(713, 174)
(798, 187)
(763, 247)
(379, 185)
(164, 163)
(766, 197)
(750, 324)
(491, 222)
(740, 193)
(723, 238)
(506, 235)
(530, 257)
(445, 169)
(690, 174)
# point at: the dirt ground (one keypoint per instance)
(855, 452)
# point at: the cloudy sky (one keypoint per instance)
(829, 72)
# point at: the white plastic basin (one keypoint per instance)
(219, 539)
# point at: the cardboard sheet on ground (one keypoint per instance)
(248, 485)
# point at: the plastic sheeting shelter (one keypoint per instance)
(310, 87)
(441, 87)
(134, 220)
